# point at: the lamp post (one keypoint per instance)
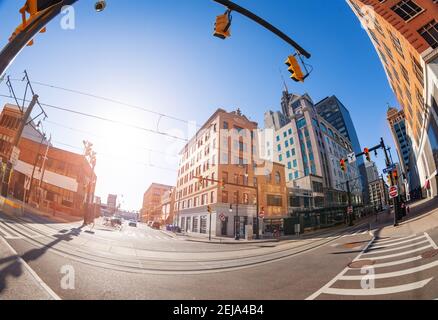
(236, 219)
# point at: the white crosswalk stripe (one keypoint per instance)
(17, 231)
(403, 261)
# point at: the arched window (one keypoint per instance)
(277, 177)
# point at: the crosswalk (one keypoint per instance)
(14, 231)
(147, 236)
(385, 267)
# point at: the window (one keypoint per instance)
(396, 43)
(226, 125)
(224, 196)
(407, 9)
(277, 178)
(245, 198)
(274, 201)
(430, 33)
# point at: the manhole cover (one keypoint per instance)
(353, 245)
(361, 263)
(429, 254)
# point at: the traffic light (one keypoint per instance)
(395, 175)
(201, 181)
(366, 151)
(222, 25)
(342, 163)
(209, 209)
(295, 69)
(33, 8)
(222, 184)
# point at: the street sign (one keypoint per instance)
(351, 158)
(389, 169)
(14, 156)
(222, 217)
(393, 192)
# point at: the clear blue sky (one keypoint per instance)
(161, 55)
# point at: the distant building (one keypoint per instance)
(379, 197)
(372, 171)
(311, 148)
(167, 206)
(405, 36)
(397, 124)
(112, 202)
(334, 112)
(152, 208)
(52, 179)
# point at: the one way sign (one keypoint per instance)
(351, 158)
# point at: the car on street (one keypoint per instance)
(156, 225)
(132, 223)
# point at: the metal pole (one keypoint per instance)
(234, 7)
(17, 137)
(349, 204)
(389, 163)
(237, 218)
(33, 170)
(258, 217)
(209, 234)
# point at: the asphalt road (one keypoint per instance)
(141, 263)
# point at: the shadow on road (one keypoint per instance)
(15, 270)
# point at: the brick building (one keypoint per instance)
(61, 179)
(226, 149)
(152, 208)
(405, 35)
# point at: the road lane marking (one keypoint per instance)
(431, 241)
(398, 254)
(397, 248)
(397, 262)
(396, 243)
(331, 282)
(45, 287)
(395, 239)
(395, 273)
(9, 232)
(379, 291)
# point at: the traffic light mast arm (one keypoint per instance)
(228, 183)
(234, 7)
(13, 48)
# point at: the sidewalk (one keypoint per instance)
(423, 217)
(17, 280)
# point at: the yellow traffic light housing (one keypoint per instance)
(222, 25)
(209, 209)
(33, 8)
(395, 175)
(222, 184)
(342, 163)
(295, 69)
(366, 151)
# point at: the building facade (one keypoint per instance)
(397, 124)
(405, 35)
(226, 149)
(152, 208)
(334, 112)
(167, 206)
(372, 171)
(51, 179)
(379, 196)
(311, 149)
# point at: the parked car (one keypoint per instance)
(133, 223)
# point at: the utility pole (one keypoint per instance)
(26, 199)
(17, 137)
(350, 214)
(237, 218)
(388, 164)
